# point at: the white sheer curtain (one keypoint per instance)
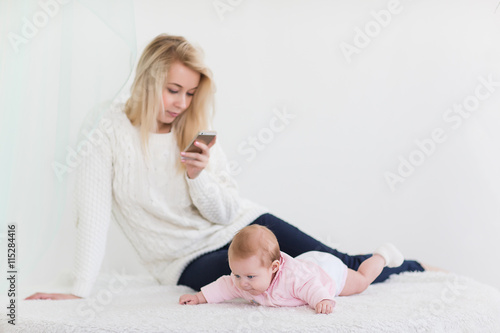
(61, 61)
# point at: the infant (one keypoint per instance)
(262, 274)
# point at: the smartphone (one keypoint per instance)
(205, 136)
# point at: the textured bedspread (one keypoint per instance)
(410, 302)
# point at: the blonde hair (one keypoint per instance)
(145, 102)
(255, 240)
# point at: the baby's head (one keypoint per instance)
(254, 256)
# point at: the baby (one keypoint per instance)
(264, 275)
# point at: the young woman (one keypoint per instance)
(179, 210)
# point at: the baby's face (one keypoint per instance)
(251, 276)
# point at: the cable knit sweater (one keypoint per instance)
(169, 218)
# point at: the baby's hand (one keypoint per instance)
(325, 306)
(188, 299)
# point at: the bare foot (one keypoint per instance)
(429, 268)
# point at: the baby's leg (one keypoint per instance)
(357, 281)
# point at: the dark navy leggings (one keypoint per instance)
(210, 266)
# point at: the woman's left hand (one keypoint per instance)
(196, 162)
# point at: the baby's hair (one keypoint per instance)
(255, 240)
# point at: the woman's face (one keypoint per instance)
(177, 94)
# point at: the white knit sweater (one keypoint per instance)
(169, 218)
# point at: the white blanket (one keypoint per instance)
(410, 302)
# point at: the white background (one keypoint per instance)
(354, 119)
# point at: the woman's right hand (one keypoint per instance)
(52, 296)
(196, 162)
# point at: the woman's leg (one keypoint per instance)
(205, 269)
(295, 242)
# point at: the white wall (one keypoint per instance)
(351, 121)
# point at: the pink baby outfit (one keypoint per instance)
(297, 282)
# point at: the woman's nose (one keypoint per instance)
(181, 102)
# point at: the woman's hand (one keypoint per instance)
(196, 162)
(52, 296)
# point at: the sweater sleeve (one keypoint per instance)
(312, 291)
(222, 289)
(93, 200)
(214, 192)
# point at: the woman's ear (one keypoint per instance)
(275, 266)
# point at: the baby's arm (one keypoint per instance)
(220, 290)
(189, 299)
(315, 294)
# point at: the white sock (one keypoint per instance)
(392, 256)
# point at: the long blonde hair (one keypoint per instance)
(145, 102)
